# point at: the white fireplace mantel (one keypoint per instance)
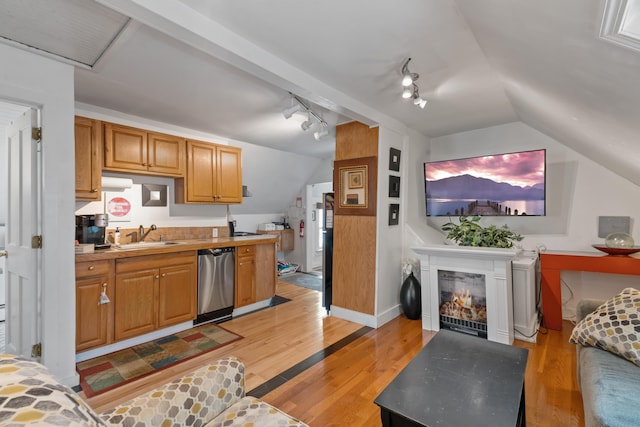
(494, 263)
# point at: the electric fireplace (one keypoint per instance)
(467, 289)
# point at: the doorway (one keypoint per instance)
(10, 113)
(313, 220)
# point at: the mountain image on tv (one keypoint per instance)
(469, 187)
(502, 184)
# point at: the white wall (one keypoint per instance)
(31, 79)
(389, 240)
(578, 191)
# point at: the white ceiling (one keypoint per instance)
(226, 67)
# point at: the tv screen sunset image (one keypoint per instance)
(503, 184)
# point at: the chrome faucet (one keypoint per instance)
(143, 233)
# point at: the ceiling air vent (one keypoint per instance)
(75, 31)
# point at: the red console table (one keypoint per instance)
(551, 263)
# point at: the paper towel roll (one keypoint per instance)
(110, 183)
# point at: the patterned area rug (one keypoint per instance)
(303, 279)
(115, 369)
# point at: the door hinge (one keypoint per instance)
(36, 133)
(36, 242)
(36, 350)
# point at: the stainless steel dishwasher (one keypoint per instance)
(216, 275)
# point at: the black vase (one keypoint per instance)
(410, 297)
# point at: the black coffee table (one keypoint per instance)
(458, 380)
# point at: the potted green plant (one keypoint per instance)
(470, 233)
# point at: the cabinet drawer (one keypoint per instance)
(242, 251)
(92, 268)
(140, 262)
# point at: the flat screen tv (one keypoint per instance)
(499, 184)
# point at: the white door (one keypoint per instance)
(22, 262)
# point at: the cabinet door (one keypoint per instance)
(136, 303)
(125, 148)
(88, 158)
(287, 238)
(92, 318)
(166, 154)
(229, 175)
(265, 271)
(177, 295)
(245, 276)
(201, 158)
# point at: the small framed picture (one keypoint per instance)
(394, 186)
(394, 213)
(355, 181)
(394, 159)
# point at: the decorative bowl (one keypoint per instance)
(617, 251)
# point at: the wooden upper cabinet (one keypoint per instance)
(214, 174)
(165, 154)
(229, 174)
(128, 149)
(88, 158)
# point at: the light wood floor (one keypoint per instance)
(340, 390)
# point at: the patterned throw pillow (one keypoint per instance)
(614, 326)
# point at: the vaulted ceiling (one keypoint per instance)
(227, 67)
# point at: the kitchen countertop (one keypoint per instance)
(177, 246)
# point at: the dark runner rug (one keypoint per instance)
(305, 280)
(115, 369)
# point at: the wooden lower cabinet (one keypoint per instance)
(255, 273)
(245, 276)
(177, 302)
(265, 271)
(94, 320)
(153, 292)
(137, 303)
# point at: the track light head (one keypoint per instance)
(407, 92)
(306, 124)
(420, 102)
(321, 133)
(407, 76)
(288, 112)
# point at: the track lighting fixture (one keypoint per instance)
(299, 105)
(410, 89)
(407, 76)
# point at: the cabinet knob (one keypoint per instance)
(157, 276)
(144, 164)
(94, 190)
(164, 274)
(91, 268)
(150, 165)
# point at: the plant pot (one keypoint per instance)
(410, 297)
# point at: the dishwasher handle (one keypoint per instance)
(216, 251)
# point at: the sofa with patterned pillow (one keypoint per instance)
(212, 396)
(608, 359)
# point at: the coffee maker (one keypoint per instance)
(91, 228)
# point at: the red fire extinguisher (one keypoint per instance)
(301, 228)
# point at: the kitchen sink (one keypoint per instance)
(145, 245)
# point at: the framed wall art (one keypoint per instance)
(355, 186)
(394, 159)
(394, 186)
